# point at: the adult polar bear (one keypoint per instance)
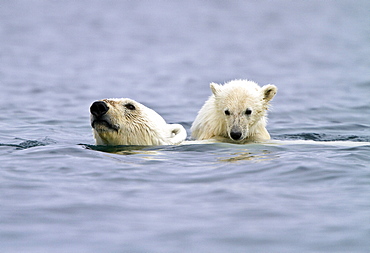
(127, 122)
(236, 112)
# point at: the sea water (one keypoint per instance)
(307, 190)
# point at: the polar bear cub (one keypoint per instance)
(235, 112)
(127, 122)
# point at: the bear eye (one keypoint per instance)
(130, 106)
(248, 111)
(227, 112)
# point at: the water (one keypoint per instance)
(306, 191)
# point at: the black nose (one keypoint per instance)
(235, 135)
(99, 108)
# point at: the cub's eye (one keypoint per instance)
(248, 111)
(130, 106)
(227, 112)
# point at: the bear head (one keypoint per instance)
(242, 107)
(127, 122)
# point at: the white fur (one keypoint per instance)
(235, 97)
(141, 126)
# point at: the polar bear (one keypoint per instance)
(127, 122)
(235, 112)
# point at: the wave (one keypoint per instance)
(29, 144)
(322, 137)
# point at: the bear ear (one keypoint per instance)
(216, 88)
(269, 91)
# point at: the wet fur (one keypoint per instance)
(141, 126)
(236, 97)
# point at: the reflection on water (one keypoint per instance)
(124, 149)
(223, 152)
(264, 155)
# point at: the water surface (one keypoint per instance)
(306, 191)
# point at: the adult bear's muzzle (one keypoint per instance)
(99, 108)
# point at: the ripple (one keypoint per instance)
(323, 137)
(29, 144)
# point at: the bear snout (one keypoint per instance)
(235, 135)
(99, 108)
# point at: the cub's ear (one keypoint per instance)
(216, 88)
(269, 91)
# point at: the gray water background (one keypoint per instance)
(57, 57)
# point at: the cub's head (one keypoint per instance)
(124, 122)
(242, 106)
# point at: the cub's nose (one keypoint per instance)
(99, 108)
(235, 135)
